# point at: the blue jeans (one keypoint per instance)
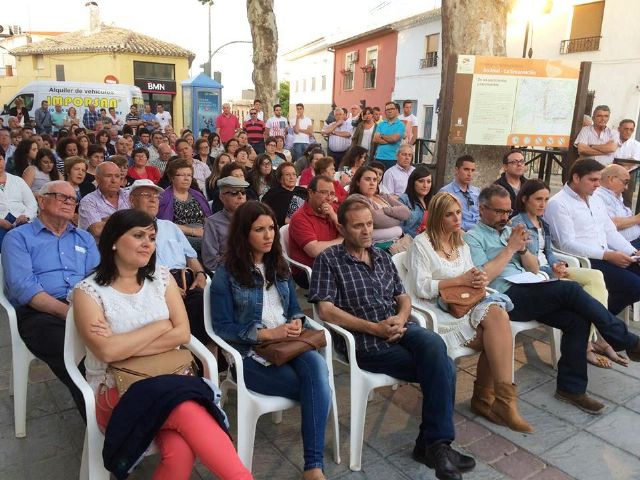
(623, 284)
(298, 150)
(565, 305)
(306, 380)
(421, 356)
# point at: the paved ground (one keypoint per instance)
(567, 443)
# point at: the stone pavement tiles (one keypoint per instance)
(567, 444)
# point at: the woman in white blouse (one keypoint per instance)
(17, 203)
(439, 258)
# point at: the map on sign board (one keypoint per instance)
(513, 101)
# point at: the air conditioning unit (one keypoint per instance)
(16, 29)
(5, 31)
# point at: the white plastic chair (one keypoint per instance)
(284, 243)
(21, 359)
(252, 405)
(92, 466)
(462, 351)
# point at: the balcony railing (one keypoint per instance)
(430, 61)
(575, 45)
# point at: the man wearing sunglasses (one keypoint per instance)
(466, 193)
(233, 193)
(48, 257)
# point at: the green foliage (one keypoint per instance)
(283, 97)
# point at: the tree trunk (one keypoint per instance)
(264, 33)
(471, 27)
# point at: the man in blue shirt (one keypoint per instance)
(502, 251)
(388, 136)
(90, 118)
(466, 193)
(48, 257)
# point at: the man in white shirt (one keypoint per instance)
(163, 118)
(629, 146)
(410, 121)
(277, 125)
(598, 141)
(580, 225)
(339, 133)
(395, 178)
(302, 131)
(614, 181)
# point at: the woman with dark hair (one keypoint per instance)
(219, 163)
(255, 301)
(42, 171)
(24, 155)
(215, 148)
(232, 146)
(351, 162)
(243, 141)
(202, 151)
(327, 167)
(262, 176)
(281, 151)
(270, 146)
(308, 173)
(129, 307)
(67, 147)
(364, 132)
(242, 158)
(531, 203)
(103, 138)
(183, 205)
(83, 145)
(285, 197)
(416, 198)
(72, 118)
(141, 169)
(439, 258)
(388, 213)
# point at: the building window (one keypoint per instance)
(323, 83)
(586, 28)
(431, 51)
(38, 62)
(297, 86)
(313, 84)
(304, 84)
(370, 68)
(154, 71)
(350, 61)
(59, 73)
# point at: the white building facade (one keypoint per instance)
(309, 69)
(604, 33)
(418, 68)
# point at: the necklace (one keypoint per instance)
(448, 254)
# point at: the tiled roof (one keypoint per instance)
(108, 39)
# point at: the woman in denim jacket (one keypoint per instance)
(253, 300)
(416, 197)
(531, 203)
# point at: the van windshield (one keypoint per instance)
(28, 103)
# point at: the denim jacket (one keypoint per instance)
(236, 311)
(410, 225)
(533, 245)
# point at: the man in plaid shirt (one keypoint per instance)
(357, 287)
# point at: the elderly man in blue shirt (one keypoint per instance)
(501, 251)
(47, 258)
(466, 193)
(174, 251)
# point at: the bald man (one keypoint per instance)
(614, 182)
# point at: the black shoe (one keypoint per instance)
(438, 457)
(464, 463)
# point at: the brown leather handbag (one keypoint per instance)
(284, 350)
(174, 362)
(460, 300)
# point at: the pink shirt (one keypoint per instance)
(227, 125)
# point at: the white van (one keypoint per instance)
(78, 95)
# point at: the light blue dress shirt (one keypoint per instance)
(172, 247)
(37, 260)
(470, 206)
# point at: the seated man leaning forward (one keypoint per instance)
(48, 257)
(314, 227)
(233, 193)
(174, 251)
(357, 287)
(96, 207)
(502, 251)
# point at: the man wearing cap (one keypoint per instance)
(216, 228)
(174, 252)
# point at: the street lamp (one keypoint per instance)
(534, 8)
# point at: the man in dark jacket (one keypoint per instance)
(512, 179)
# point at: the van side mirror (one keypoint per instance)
(5, 110)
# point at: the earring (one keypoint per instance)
(113, 248)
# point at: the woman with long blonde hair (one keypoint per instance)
(439, 258)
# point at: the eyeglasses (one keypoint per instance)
(271, 145)
(253, 113)
(185, 175)
(389, 109)
(469, 199)
(515, 162)
(624, 181)
(148, 195)
(62, 198)
(235, 193)
(499, 211)
(325, 193)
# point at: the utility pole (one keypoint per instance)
(206, 66)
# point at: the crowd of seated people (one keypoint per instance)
(125, 225)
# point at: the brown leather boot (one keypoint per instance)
(481, 402)
(505, 407)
